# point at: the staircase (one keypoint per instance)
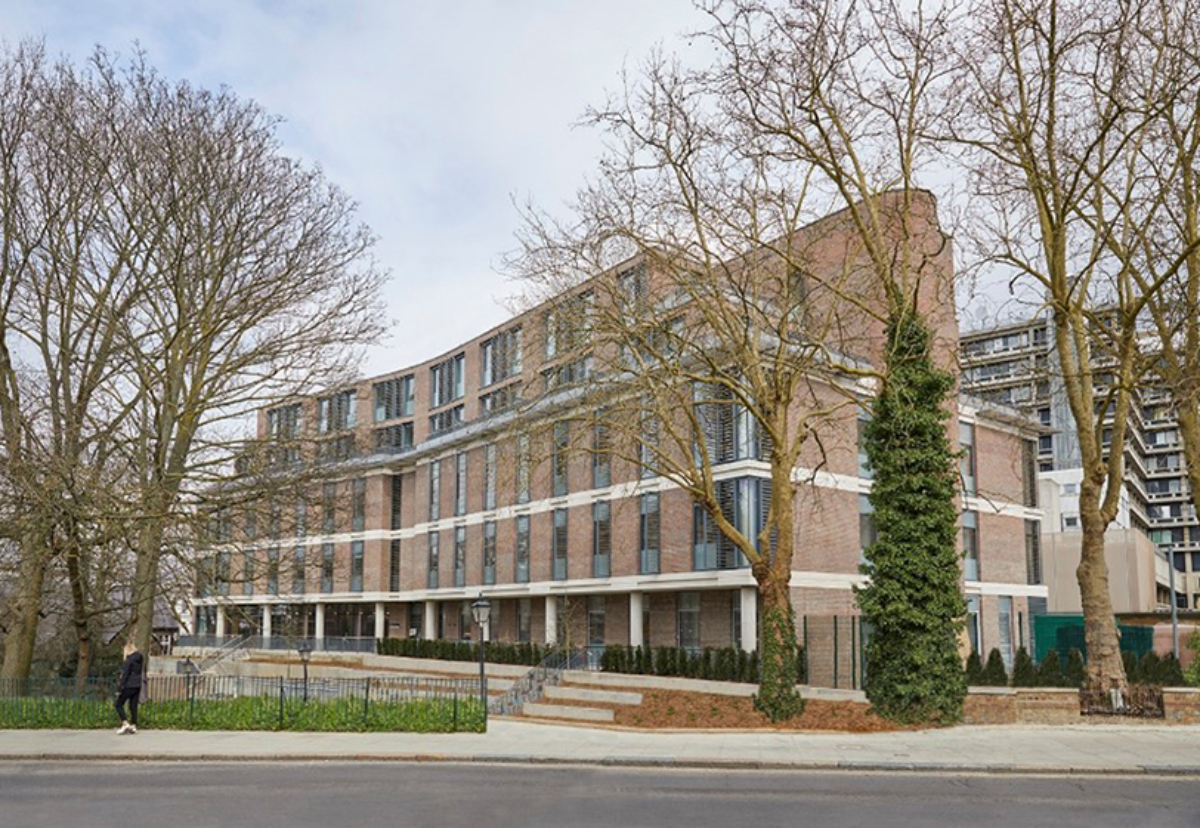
(527, 690)
(234, 649)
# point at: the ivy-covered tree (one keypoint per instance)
(913, 601)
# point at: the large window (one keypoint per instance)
(298, 571)
(356, 566)
(523, 468)
(601, 456)
(500, 357)
(524, 619)
(446, 381)
(966, 460)
(1033, 551)
(431, 580)
(397, 501)
(394, 438)
(460, 556)
(1004, 617)
(689, 621)
(558, 546)
(336, 412)
(567, 326)
(460, 483)
(568, 373)
(489, 552)
(489, 476)
(521, 571)
(358, 514)
(649, 534)
(867, 533)
(327, 567)
(647, 447)
(445, 420)
(706, 540)
(601, 539)
(744, 502)
(394, 398)
(595, 622)
(273, 570)
(435, 489)
(329, 508)
(283, 426)
(864, 464)
(970, 523)
(248, 572)
(558, 457)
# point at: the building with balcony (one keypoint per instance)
(444, 482)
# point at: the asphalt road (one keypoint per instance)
(330, 795)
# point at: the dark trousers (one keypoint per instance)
(128, 695)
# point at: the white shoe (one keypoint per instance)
(133, 730)
(124, 728)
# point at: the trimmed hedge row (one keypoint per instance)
(712, 663)
(498, 652)
(1150, 669)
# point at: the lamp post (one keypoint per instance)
(481, 610)
(1174, 601)
(304, 648)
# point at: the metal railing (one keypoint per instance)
(210, 702)
(530, 687)
(329, 644)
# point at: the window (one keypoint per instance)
(435, 489)
(489, 552)
(705, 539)
(327, 567)
(276, 526)
(595, 621)
(394, 438)
(973, 622)
(431, 580)
(298, 569)
(1070, 521)
(446, 381)
(1029, 472)
(1004, 616)
(460, 483)
(631, 286)
(558, 457)
(1046, 444)
(521, 573)
(336, 412)
(460, 556)
(252, 523)
(489, 476)
(523, 468)
(558, 546)
(649, 535)
(465, 623)
(566, 327)
(743, 502)
(1044, 416)
(394, 398)
(970, 531)
(283, 426)
(358, 514)
(273, 570)
(864, 463)
(223, 573)
(356, 566)
(501, 399)
(966, 460)
(445, 420)
(647, 445)
(568, 373)
(601, 540)
(601, 457)
(394, 566)
(341, 447)
(524, 619)
(500, 357)
(1033, 551)
(745, 434)
(1070, 488)
(689, 621)
(867, 531)
(329, 508)
(397, 502)
(248, 573)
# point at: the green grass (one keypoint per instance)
(250, 713)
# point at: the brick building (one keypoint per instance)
(435, 496)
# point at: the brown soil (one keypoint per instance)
(676, 709)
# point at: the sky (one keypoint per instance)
(433, 116)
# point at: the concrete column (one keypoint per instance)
(636, 633)
(319, 632)
(266, 623)
(220, 621)
(380, 620)
(429, 628)
(195, 619)
(749, 598)
(551, 619)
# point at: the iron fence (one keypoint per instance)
(211, 702)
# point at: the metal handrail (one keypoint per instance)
(226, 649)
(530, 687)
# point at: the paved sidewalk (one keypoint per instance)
(1094, 748)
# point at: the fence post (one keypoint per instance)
(191, 688)
(853, 657)
(367, 700)
(455, 726)
(281, 702)
(835, 652)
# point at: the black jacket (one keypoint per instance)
(131, 672)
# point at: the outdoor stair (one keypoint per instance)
(566, 712)
(583, 694)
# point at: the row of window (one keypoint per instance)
(215, 571)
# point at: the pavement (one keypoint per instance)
(1078, 749)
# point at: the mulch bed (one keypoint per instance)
(701, 711)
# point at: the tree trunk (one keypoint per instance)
(1104, 668)
(19, 644)
(79, 618)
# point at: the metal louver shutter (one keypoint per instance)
(727, 551)
(765, 491)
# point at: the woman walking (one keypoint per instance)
(129, 688)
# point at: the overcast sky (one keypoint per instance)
(432, 115)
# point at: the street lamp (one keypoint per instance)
(481, 610)
(304, 648)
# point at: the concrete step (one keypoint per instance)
(568, 712)
(599, 696)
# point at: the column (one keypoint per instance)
(220, 621)
(749, 619)
(380, 620)
(429, 628)
(319, 632)
(195, 630)
(266, 625)
(636, 633)
(551, 619)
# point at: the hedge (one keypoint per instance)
(498, 652)
(711, 663)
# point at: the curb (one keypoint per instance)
(671, 762)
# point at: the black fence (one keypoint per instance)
(206, 702)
